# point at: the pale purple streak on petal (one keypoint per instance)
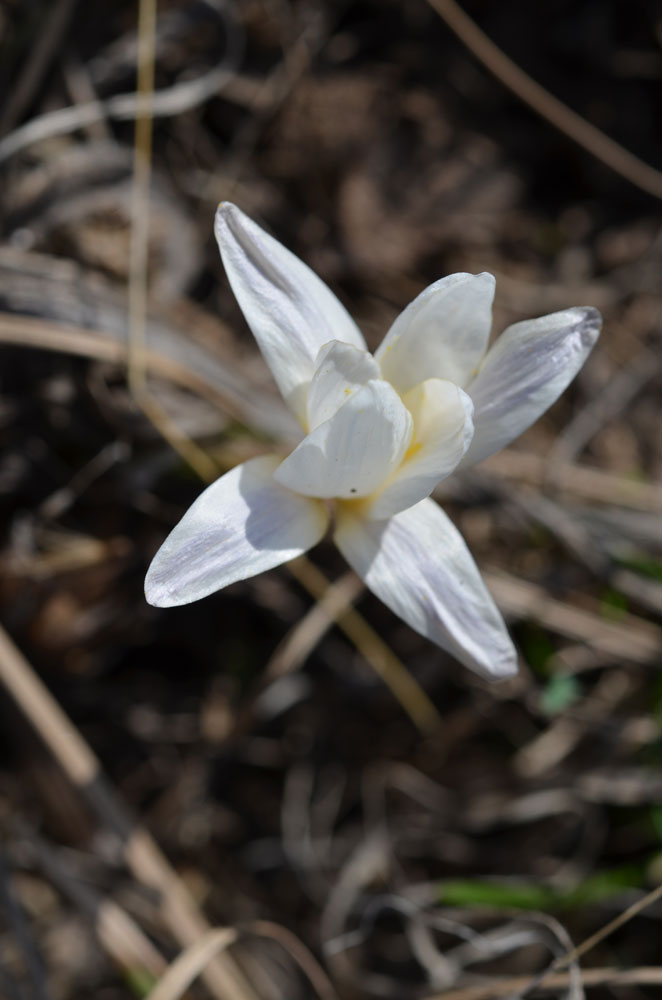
(418, 564)
(291, 312)
(241, 525)
(524, 372)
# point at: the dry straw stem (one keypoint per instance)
(590, 138)
(45, 335)
(378, 654)
(580, 481)
(518, 985)
(303, 637)
(142, 855)
(119, 934)
(554, 977)
(48, 43)
(548, 748)
(175, 100)
(623, 918)
(632, 639)
(139, 252)
(295, 648)
(189, 965)
(600, 409)
(142, 168)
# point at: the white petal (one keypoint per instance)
(291, 312)
(351, 454)
(443, 429)
(443, 333)
(526, 371)
(418, 564)
(241, 525)
(340, 370)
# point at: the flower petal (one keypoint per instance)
(443, 429)
(241, 525)
(351, 454)
(291, 312)
(524, 372)
(443, 333)
(418, 564)
(340, 370)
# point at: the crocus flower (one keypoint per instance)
(379, 433)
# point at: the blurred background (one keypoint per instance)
(354, 851)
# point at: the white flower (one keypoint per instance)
(380, 433)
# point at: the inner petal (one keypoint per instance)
(340, 369)
(443, 428)
(353, 453)
(442, 334)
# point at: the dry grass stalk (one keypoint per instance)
(595, 142)
(378, 654)
(142, 855)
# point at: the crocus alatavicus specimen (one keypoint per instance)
(380, 432)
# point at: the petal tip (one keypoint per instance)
(157, 591)
(495, 662)
(226, 208)
(506, 666)
(590, 324)
(157, 595)
(227, 214)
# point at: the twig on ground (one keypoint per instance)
(515, 985)
(574, 954)
(601, 408)
(170, 101)
(188, 966)
(590, 138)
(295, 648)
(578, 480)
(141, 853)
(139, 254)
(269, 97)
(550, 979)
(623, 918)
(548, 748)
(302, 639)
(578, 534)
(44, 335)
(631, 638)
(49, 39)
(378, 654)
(301, 955)
(81, 91)
(15, 920)
(119, 934)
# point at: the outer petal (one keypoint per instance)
(241, 525)
(418, 564)
(526, 371)
(351, 454)
(291, 312)
(340, 370)
(443, 429)
(443, 333)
